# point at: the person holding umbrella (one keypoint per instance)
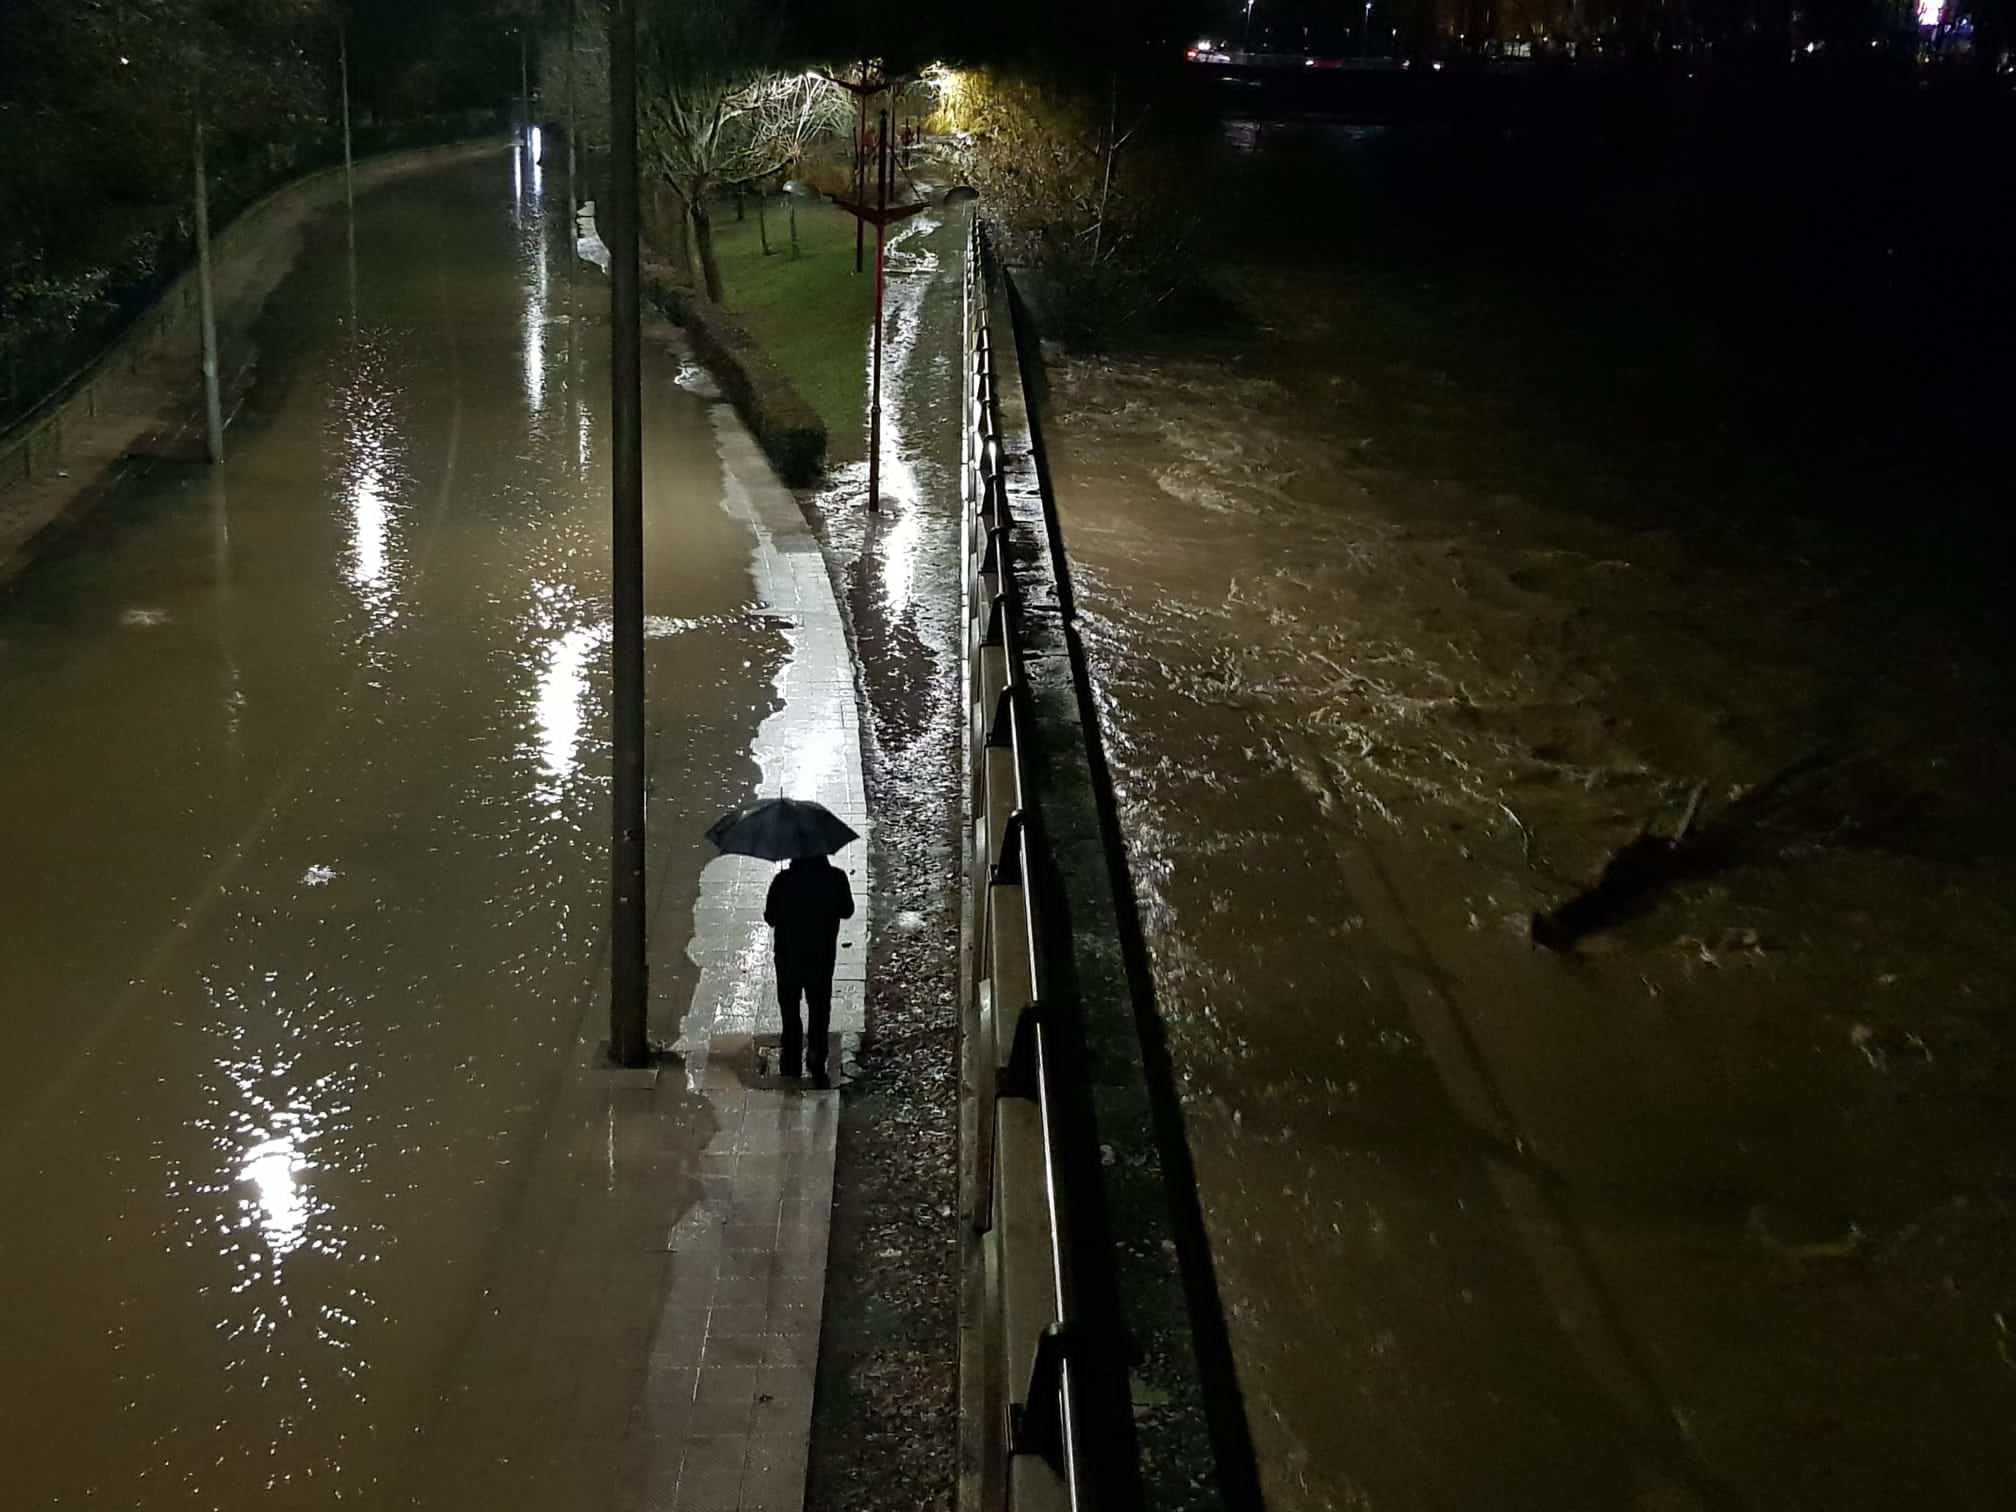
(806, 902)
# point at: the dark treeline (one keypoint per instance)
(99, 101)
(1074, 118)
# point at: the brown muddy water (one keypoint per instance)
(1717, 1209)
(301, 880)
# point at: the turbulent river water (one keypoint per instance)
(1714, 1209)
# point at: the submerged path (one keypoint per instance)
(316, 1189)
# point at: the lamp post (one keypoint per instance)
(628, 970)
(881, 215)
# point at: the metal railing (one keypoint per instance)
(1058, 1429)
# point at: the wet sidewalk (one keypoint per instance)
(653, 1326)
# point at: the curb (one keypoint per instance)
(791, 434)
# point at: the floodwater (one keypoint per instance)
(302, 876)
(1715, 1210)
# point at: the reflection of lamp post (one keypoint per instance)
(881, 216)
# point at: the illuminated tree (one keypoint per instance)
(714, 112)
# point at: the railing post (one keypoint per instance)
(1037, 1426)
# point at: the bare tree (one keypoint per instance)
(794, 113)
(736, 128)
(715, 109)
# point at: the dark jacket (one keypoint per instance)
(807, 901)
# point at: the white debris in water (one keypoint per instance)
(588, 243)
(143, 618)
(695, 379)
(318, 875)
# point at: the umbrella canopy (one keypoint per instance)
(781, 829)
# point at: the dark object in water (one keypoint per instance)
(1631, 882)
(1640, 870)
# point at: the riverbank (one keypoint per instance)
(139, 402)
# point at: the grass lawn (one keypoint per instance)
(811, 313)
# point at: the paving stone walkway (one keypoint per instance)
(660, 1296)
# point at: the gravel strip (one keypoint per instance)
(884, 1418)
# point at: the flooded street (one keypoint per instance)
(303, 870)
(1714, 1209)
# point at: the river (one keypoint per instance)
(1411, 604)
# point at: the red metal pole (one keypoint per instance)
(860, 161)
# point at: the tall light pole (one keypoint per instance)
(628, 969)
(206, 301)
(343, 70)
(349, 182)
(573, 200)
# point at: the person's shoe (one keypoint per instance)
(819, 1077)
(789, 1069)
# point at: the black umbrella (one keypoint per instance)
(781, 829)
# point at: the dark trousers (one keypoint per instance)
(816, 988)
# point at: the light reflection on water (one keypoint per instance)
(564, 644)
(538, 279)
(271, 1168)
(367, 523)
(264, 1124)
(557, 706)
(370, 478)
(537, 295)
(910, 269)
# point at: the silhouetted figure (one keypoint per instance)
(807, 901)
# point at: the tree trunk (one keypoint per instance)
(682, 239)
(703, 243)
(762, 224)
(1112, 146)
